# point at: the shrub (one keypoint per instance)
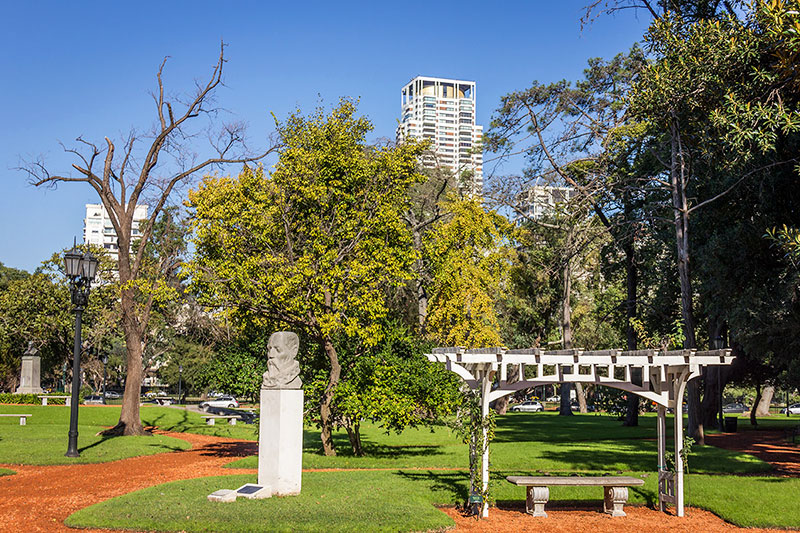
(32, 399)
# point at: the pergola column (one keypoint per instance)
(486, 388)
(680, 387)
(661, 427)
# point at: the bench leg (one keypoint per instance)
(44, 401)
(614, 499)
(232, 421)
(23, 420)
(537, 497)
(209, 421)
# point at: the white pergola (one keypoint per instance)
(498, 372)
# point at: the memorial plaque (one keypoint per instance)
(253, 491)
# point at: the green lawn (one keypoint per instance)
(43, 440)
(6, 472)
(524, 442)
(329, 502)
(402, 498)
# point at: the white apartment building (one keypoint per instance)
(98, 230)
(541, 200)
(443, 111)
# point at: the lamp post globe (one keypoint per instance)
(81, 269)
(72, 263)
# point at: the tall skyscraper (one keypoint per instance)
(98, 230)
(443, 111)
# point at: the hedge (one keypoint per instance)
(33, 399)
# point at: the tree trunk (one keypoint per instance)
(756, 402)
(710, 403)
(631, 282)
(680, 206)
(581, 395)
(762, 407)
(566, 332)
(325, 416)
(354, 434)
(130, 422)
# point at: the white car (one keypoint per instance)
(794, 409)
(528, 407)
(223, 401)
(554, 399)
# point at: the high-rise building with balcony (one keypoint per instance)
(542, 200)
(443, 111)
(98, 230)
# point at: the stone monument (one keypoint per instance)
(31, 374)
(280, 437)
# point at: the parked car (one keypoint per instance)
(794, 409)
(93, 398)
(736, 407)
(528, 407)
(555, 399)
(111, 395)
(223, 401)
(576, 407)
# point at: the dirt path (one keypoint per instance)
(769, 446)
(39, 498)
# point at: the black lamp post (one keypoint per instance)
(81, 269)
(180, 379)
(104, 359)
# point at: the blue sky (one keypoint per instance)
(86, 68)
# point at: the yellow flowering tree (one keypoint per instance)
(313, 245)
(469, 255)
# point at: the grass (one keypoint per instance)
(404, 500)
(43, 440)
(765, 502)
(329, 502)
(524, 442)
(6, 472)
(403, 497)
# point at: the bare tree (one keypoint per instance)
(149, 169)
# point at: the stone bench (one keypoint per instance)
(210, 419)
(22, 418)
(615, 490)
(44, 397)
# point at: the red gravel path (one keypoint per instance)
(39, 498)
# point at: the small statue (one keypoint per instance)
(283, 370)
(31, 349)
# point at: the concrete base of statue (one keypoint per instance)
(280, 440)
(30, 377)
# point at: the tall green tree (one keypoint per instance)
(313, 245)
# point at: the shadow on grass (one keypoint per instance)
(312, 445)
(453, 484)
(524, 427)
(181, 425)
(650, 497)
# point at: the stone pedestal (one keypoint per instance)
(30, 377)
(280, 440)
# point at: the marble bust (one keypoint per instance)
(283, 370)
